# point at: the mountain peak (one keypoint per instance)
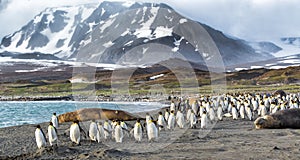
(123, 29)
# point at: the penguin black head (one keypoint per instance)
(54, 114)
(50, 123)
(118, 123)
(167, 110)
(38, 126)
(138, 120)
(160, 113)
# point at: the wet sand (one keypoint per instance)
(228, 139)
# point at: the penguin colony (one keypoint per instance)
(183, 113)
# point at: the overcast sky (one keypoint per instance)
(254, 20)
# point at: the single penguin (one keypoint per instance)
(242, 111)
(263, 109)
(167, 114)
(148, 118)
(220, 113)
(107, 129)
(75, 131)
(93, 131)
(161, 121)
(52, 134)
(195, 107)
(188, 114)
(254, 104)
(249, 112)
(180, 119)
(171, 121)
(54, 120)
(193, 119)
(137, 131)
(234, 112)
(152, 131)
(100, 132)
(204, 120)
(125, 128)
(40, 137)
(212, 114)
(172, 106)
(118, 132)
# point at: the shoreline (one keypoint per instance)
(229, 139)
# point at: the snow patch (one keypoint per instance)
(177, 42)
(175, 49)
(128, 43)
(240, 69)
(182, 20)
(290, 61)
(256, 67)
(157, 76)
(107, 24)
(128, 3)
(108, 44)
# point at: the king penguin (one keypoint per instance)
(93, 131)
(171, 121)
(204, 120)
(234, 112)
(107, 129)
(75, 132)
(220, 113)
(137, 131)
(52, 134)
(152, 131)
(180, 119)
(167, 114)
(161, 121)
(193, 119)
(40, 137)
(54, 120)
(100, 132)
(249, 112)
(118, 133)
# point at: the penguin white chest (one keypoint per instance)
(137, 132)
(152, 131)
(118, 134)
(54, 120)
(75, 133)
(52, 135)
(93, 131)
(203, 121)
(40, 138)
(171, 121)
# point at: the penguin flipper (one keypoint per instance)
(44, 135)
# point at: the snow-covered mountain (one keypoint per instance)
(50, 32)
(290, 46)
(118, 32)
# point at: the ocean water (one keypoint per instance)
(18, 113)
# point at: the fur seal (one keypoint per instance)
(86, 114)
(289, 118)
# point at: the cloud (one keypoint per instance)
(246, 19)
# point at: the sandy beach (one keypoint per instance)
(228, 139)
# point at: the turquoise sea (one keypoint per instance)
(31, 112)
